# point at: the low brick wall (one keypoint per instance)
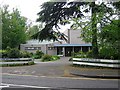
(97, 62)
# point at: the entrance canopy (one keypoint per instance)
(70, 45)
(68, 49)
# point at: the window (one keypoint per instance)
(32, 48)
(59, 50)
(51, 48)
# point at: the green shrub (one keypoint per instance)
(31, 63)
(38, 54)
(55, 57)
(108, 53)
(47, 57)
(25, 54)
(89, 54)
(80, 55)
(73, 54)
(13, 53)
(4, 54)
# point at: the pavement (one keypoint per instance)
(62, 68)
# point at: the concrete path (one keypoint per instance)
(60, 68)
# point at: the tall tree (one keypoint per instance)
(94, 30)
(55, 13)
(110, 37)
(13, 28)
(32, 30)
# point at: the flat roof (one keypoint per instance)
(37, 42)
(68, 45)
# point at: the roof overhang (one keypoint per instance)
(71, 45)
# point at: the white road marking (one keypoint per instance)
(3, 85)
(24, 86)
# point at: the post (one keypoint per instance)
(88, 48)
(46, 49)
(63, 51)
(68, 36)
(81, 49)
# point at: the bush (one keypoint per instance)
(73, 54)
(47, 57)
(80, 55)
(89, 54)
(13, 53)
(108, 53)
(38, 54)
(25, 54)
(50, 58)
(55, 57)
(4, 54)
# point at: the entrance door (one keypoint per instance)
(59, 50)
(68, 51)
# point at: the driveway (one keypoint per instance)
(60, 68)
(56, 68)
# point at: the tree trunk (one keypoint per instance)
(94, 32)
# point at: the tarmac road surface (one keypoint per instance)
(67, 83)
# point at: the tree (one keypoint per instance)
(111, 32)
(55, 13)
(13, 28)
(110, 40)
(32, 30)
(91, 27)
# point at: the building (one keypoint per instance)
(74, 44)
(46, 47)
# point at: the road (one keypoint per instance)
(55, 75)
(64, 83)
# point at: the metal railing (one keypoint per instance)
(97, 62)
(15, 60)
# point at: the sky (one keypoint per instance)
(28, 8)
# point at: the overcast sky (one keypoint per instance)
(28, 8)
